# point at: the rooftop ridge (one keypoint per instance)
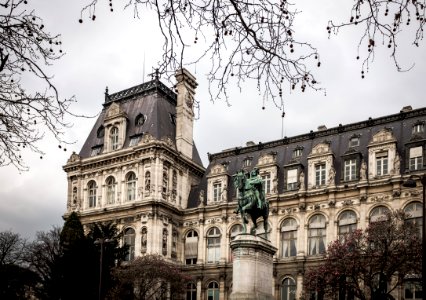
(321, 133)
(141, 89)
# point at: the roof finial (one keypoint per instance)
(106, 94)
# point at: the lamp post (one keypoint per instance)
(411, 182)
(101, 242)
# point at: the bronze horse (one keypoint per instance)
(251, 199)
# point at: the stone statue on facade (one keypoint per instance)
(302, 181)
(251, 199)
(201, 198)
(396, 165)
(331, 175)
(363, 171)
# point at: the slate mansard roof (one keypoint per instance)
(338, 137)
(155, 101)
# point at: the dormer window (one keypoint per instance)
(297, 152)
(101, 132)
(96, 150)
(382, 164)
(134, 140)
(247, 162)
(140, 120)
(113, 136)
(418, 128)
(354, 142)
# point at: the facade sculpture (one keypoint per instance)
(316, 186)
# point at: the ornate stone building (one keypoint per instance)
(140, 168)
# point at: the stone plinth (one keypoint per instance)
(252, 268)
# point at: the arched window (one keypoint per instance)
(91, 189)
(316, 235)
(191, 247)
(140, 120)
(235, 230)
(144, 239)
(191, 291)
(347, 223)
(113, 138)
(147, 183)
(289, 237)
(129, 239)
(213, 245)
(101, 132)
(415, 215)
(288, 289)
(131, 186)
(379, 213)
(213, 291)
(260, 231)
(110, 190)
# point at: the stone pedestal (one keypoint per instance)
(252, 268)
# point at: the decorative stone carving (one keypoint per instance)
(331, 176)
(396, 165)
(363, 171)
(332, 203)
(74, 158)
(347, 202)
(201, 199)
(302, 181)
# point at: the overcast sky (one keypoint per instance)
(113, 50)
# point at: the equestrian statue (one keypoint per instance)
(251, 199)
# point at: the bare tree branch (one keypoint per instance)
(26, 50)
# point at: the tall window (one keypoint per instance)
(165, 182)
(316, 235)
(266, 178)
(350, 169)
(217, 191)
(191, 291)
(288, 289)
(416, 158)
(91, 187)
(292, 179)
(110, 192)
(289, 237)
(191, 247)
(164, 241)
(347, 223)
(174, 186)
(320, 174)
(415, 215)
(379, 213)
(213, 291)
(129, 240)
(113, 138)
(382, 163)
(213, 245)
(131, 186)
(174, 243)
(413, 290)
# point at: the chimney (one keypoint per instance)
(186, 85)
(322, 128)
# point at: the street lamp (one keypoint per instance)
(411, 182)
(101, 242)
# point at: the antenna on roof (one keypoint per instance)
(143, 70)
